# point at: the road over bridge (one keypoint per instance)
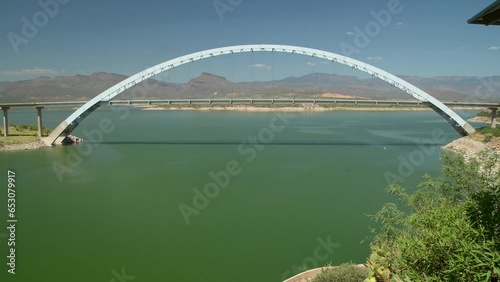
(228, 102)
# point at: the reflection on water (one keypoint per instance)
(280, 143)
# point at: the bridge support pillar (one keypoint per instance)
(5, 121)
(494, 117)
(39, 120)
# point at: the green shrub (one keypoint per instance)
(451, 229)
(485, 113)
(488, 130)
(477, 186)
(22, 126)
(476, 259)
(347, 272)
(46, 131)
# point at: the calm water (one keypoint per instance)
(116, 210)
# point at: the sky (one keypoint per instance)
(404, 37)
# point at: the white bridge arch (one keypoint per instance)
(74, 119)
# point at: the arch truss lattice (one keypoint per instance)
(70, 123)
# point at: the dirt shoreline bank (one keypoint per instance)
(473, 145)
(284, 108)
(35, 145)
(486, 120)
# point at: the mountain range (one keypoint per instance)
(315, 85)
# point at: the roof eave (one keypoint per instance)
(488, 16)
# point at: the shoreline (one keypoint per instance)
(473, 145)
(466, 143)
(297, 108)
(34, 145)
(485, 120)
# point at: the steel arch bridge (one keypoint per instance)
(70, 123)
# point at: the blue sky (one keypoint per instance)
(426, 38)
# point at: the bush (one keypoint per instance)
(347, 272)
(452, 228)
(477, 186)
(487, 113)
(488, 130)
(46, 131)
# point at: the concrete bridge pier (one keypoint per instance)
(494, 117)
(39, 120)
(5, 121)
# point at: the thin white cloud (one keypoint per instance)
(311, 64)
(493, 48)
(350, 33)
(260, 66)
(374, 58)
(399, 25)
(34, 71)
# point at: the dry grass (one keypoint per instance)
(17, 136)
(488, 136)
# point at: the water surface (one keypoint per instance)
(117, 206)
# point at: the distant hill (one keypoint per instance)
(82, 87)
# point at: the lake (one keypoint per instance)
(210, 196)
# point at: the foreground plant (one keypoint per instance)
(380, 267)
(347, 272)
(448, 230)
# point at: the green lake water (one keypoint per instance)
(296, 197)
